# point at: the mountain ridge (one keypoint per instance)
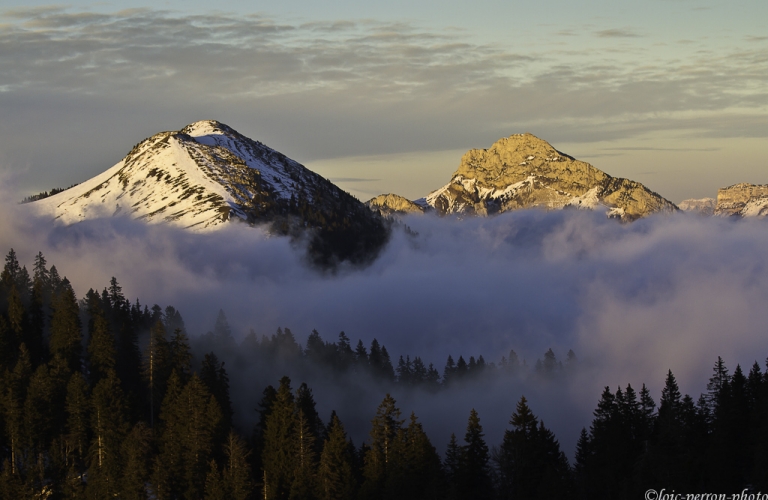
(524, 171)
(208, 175)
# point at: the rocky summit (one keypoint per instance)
(523, 171)
(393, 204)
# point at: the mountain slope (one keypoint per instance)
(208, 175)
(523, 171)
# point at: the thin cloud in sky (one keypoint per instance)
(342, 88)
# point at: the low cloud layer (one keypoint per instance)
(632, 300)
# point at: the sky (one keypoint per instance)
(386, 96)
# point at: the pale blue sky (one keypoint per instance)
(385, 97)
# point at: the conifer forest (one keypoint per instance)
(105, 397)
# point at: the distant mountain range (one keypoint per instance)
(523, 171)
(739, 200)
(207, 176)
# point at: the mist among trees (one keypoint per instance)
(106, 397)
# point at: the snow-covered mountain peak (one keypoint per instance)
(197, 177)
(206, 175)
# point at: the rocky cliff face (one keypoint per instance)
(742, 200)
(393, 204)
(523, 171)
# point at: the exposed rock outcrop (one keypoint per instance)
(393, 204)
(742, 200)
(523, 171)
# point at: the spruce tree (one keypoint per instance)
(110, 426)
(384, 431)
(279, 455)
(77, 406)
(415, 472)
(168, 465)
(136, 451)
(303, 485)
(215, 486)
(157, 368)
(181, 356)
(101, 342)
(335, 476)
(453, 467)
(66, 337)
(202, 418)
(215, 378)
(237, 470)
(474, 475)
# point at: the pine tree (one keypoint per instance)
(215, 485)
(116, 297)
(11, 271)
(41, 421)
(666, 449)
(17, 316)
(77, 406)
(415, 471)
(344, 355)
(474, 475)
(303, 485)
(449, 371)
(14, 394)
(110, 426)
(168, 466)
(305, 403)
(237, 471)
(215, 378)
(718, 386)
(279, 455)
(157, 368)
(181, 356)
(101, 343)
(264, 409)
(453, 467)
(136, 451)
(461, 368)
(361, 357)
(65, 327)
(336, 479)
(202, 418)
(384, 430)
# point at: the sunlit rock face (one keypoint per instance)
(523, 171)
(393, 204)
(742, 200)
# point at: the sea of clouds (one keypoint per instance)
(632, 300)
